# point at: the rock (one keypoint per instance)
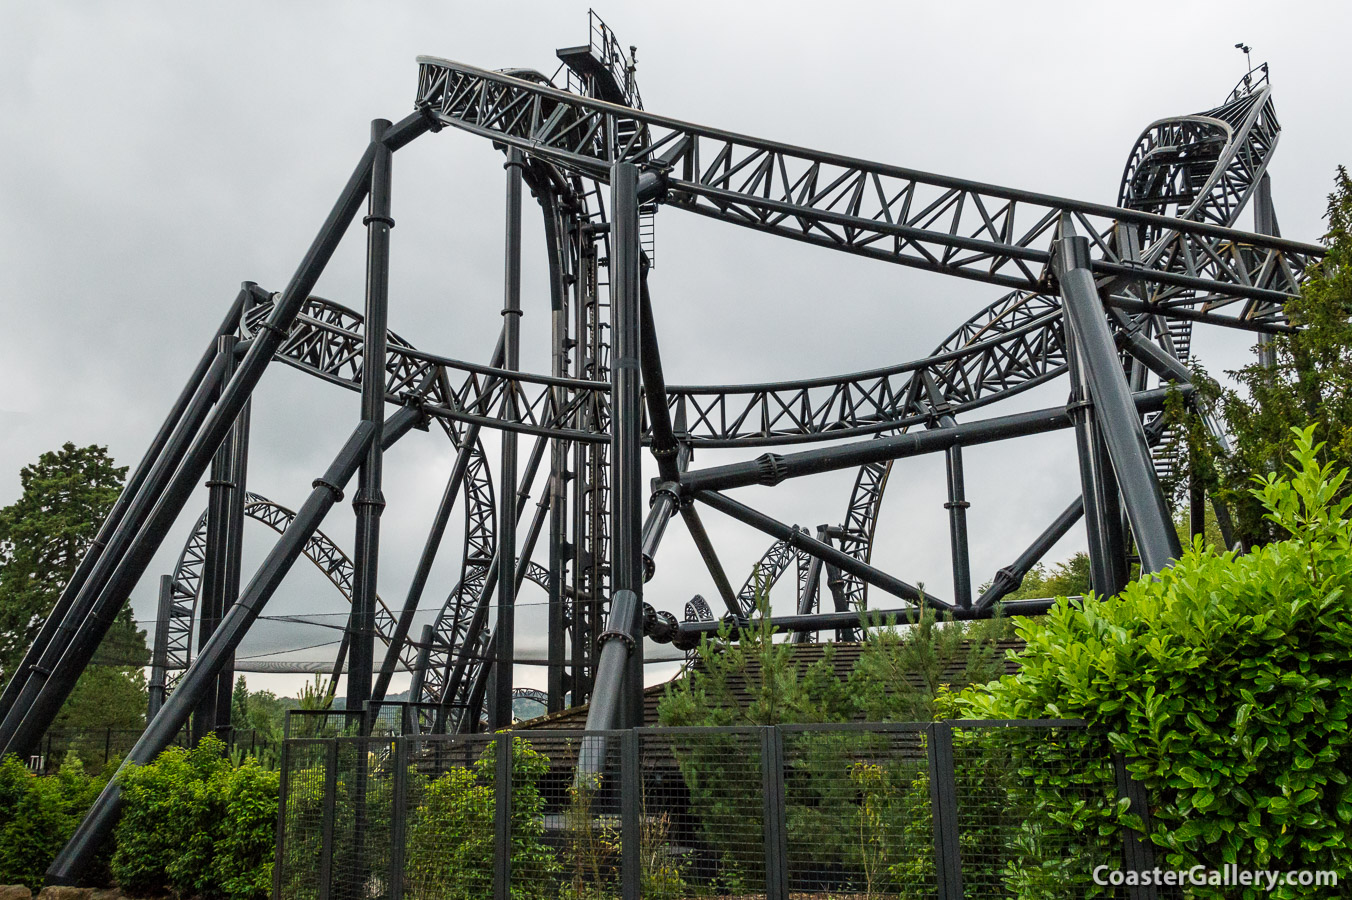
(107, 894)
(61, 892)
(15, 892)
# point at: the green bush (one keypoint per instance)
(194, 824)
(451, 836)
(38, 814)
(1225, 681)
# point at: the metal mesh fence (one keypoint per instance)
(704, 812)
(304, 839)
(857, 809)
(98, 748)
(1035, 810)
(903, 811)
(450, 802)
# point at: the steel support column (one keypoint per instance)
(556, 637)
(626, 557)
(49, 681)
(369, 501)
(159, 656)
(212, 592)
(1102, 513)
(158, 509)
(238, 441)
(1151, 523)
(504, 631)
(137, 480)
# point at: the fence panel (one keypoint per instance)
(300, 836)
(703, 812)
(450, 801)
(1035, 810)
(875, 812)
(857, 807)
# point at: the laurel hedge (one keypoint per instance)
(1225, 681)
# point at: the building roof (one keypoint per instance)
(843, 660)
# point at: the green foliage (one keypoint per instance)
(1225, 681)
(38, 814)
(45, 533)
(1307, 383)
(451, 837)
(193, 824)
(261, 712)
(779, 689)
(43, 536)
(316, 695)
(901, 672)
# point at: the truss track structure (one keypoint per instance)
(1103, 297)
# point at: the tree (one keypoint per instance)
(1308, 381)
(1065, 579)
(43, 536)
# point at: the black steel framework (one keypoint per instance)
(1131, 281)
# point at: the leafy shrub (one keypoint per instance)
(1224, 680)
(194, 824)
(38, 814)
(451, 835)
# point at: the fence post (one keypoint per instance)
(326, 848)
(631, 812)
(502, 817)
(398, 819)
(1138, 854)
(944, 808)
(775, 826)
(283, 780)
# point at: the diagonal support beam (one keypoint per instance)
(1114, 410)
(200, 677)
(800, 540)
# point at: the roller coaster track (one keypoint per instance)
(1186, 181)
(1202, 167)
(958, 227)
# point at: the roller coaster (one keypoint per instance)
(1104, 297)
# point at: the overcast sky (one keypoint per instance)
(158, 154)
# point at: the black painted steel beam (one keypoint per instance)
(504, 632)
(1114, 410)
(135, 482)
(771, 469)
(369, 501)
(200, 677)
(800, 540)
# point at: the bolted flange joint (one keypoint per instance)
(772, 469)
(624, 606)
(334, 489)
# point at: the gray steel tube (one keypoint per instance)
(773, 468)
(797, 538)
(1151, 522)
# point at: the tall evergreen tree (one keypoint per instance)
(1305, 380)
(43, 536)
